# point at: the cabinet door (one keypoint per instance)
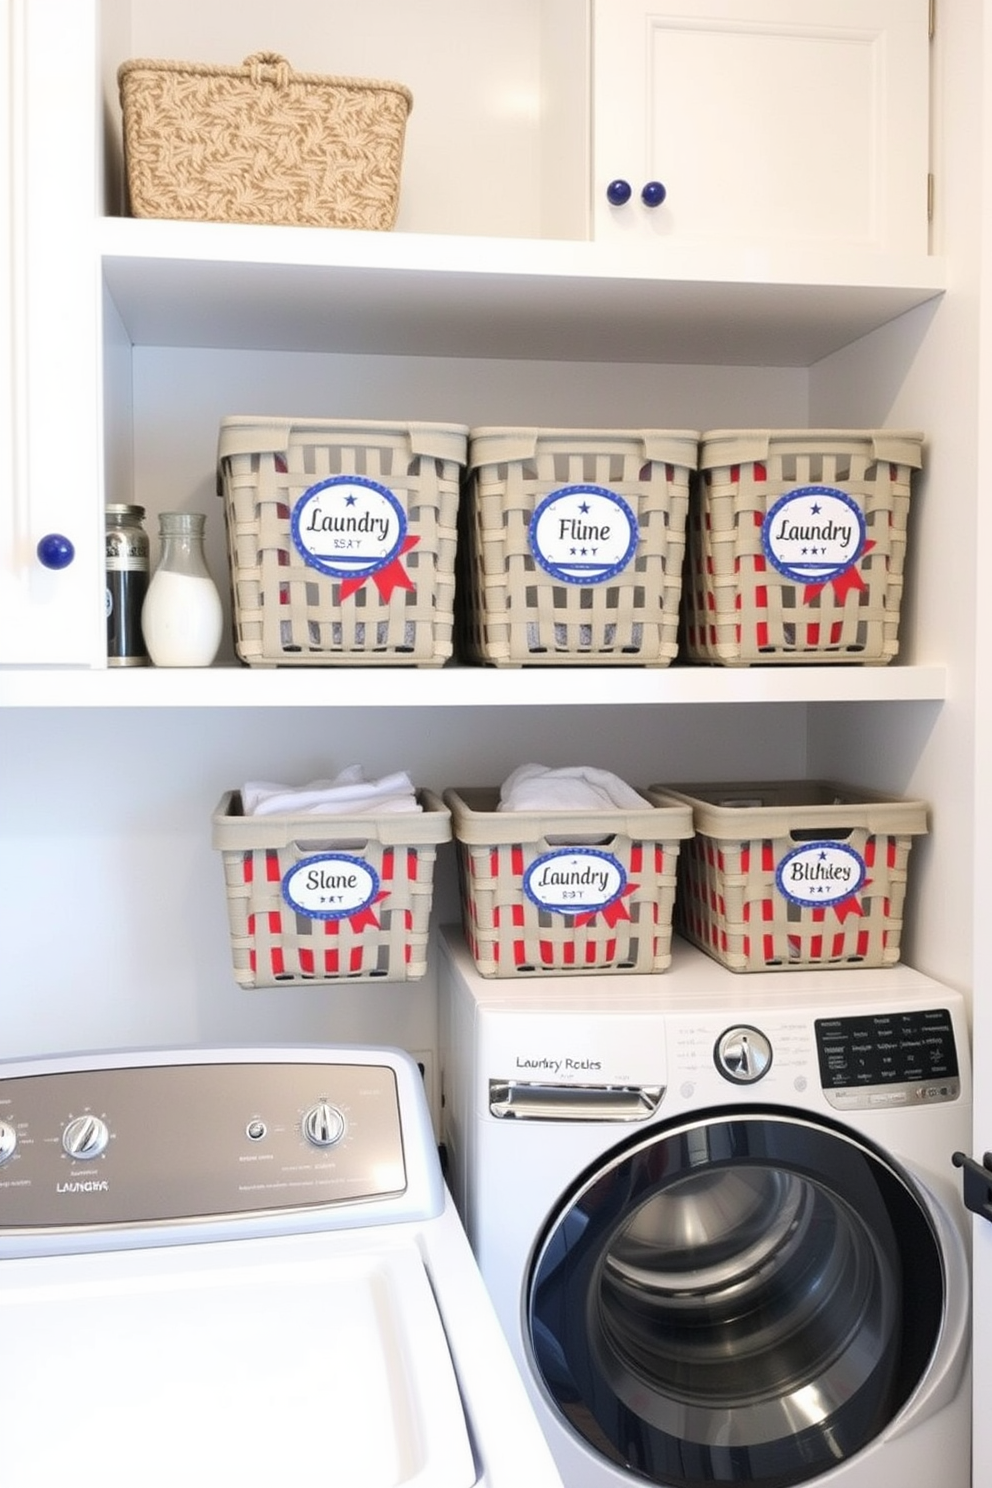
(779, 122)
(49, 345)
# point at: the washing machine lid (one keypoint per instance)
(251, 1364)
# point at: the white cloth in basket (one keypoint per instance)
(349, 793)
(568, 788)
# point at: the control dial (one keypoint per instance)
(743, 1055)
(8, 1141)
(85, 1137)
(323, 1124)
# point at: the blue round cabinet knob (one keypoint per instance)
(56, 551)
(618, 193)
(653, 194)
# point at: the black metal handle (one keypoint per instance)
(977, 1183)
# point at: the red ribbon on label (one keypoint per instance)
(393, 576)
(613, 912)
(845, 582)
(844, 907)
(364, 918)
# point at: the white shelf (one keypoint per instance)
(312, 289)
(464, 687)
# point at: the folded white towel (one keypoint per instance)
(349, 793)
(569, 788)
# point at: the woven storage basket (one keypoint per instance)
(515, 864)
(797, 542)
(261, 143)
(285, 875)
(380, 502)
(791, 876)
(572, 544)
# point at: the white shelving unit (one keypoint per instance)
(125, 342)
(485, 307)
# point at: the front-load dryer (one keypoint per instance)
(718, 1217)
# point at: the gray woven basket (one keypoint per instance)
(277, 942)
(261, 143)
(512, 933)
(523, 605)
(795, 875)
(744, 602)
(289, 612)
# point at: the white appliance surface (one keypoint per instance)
(588, 1063)
(302, 1339)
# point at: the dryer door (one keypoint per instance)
(746, 1298)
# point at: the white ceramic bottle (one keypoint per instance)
(182, 617)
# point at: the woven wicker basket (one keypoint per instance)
(795, 875)
(281, 937)
(511, 928)
(530, 598)
(755, 595)
(295, 607)
(261, 143)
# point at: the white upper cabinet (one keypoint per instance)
(51, 528)
(785, 123)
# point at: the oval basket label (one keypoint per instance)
(813, 534)
(575, 880)
(583, 534)
(820, 873)
(348, 527)
(330, 886)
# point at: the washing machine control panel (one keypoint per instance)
(158, 1144)
(888, 1059)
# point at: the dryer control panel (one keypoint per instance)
(888, 1059)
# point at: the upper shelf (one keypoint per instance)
(313, 289)
(460, 686)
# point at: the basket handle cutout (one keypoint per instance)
(821, 834)
(333, 844)
(569, 839)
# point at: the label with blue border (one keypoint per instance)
(583, 534)
(348, 527)
(813, 534)
(575, 880)
(330, 886)
(820, 873)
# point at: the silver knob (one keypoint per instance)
(743, 1055)
(323, 1125)
(85, 1137)
(8, 1141)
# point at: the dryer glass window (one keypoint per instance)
(742, 1300)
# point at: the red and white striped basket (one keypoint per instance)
(612, 875)
(795, 875)
(796, 546)
(290, 922)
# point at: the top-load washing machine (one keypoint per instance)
(718, 1217)
(240, 1268)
